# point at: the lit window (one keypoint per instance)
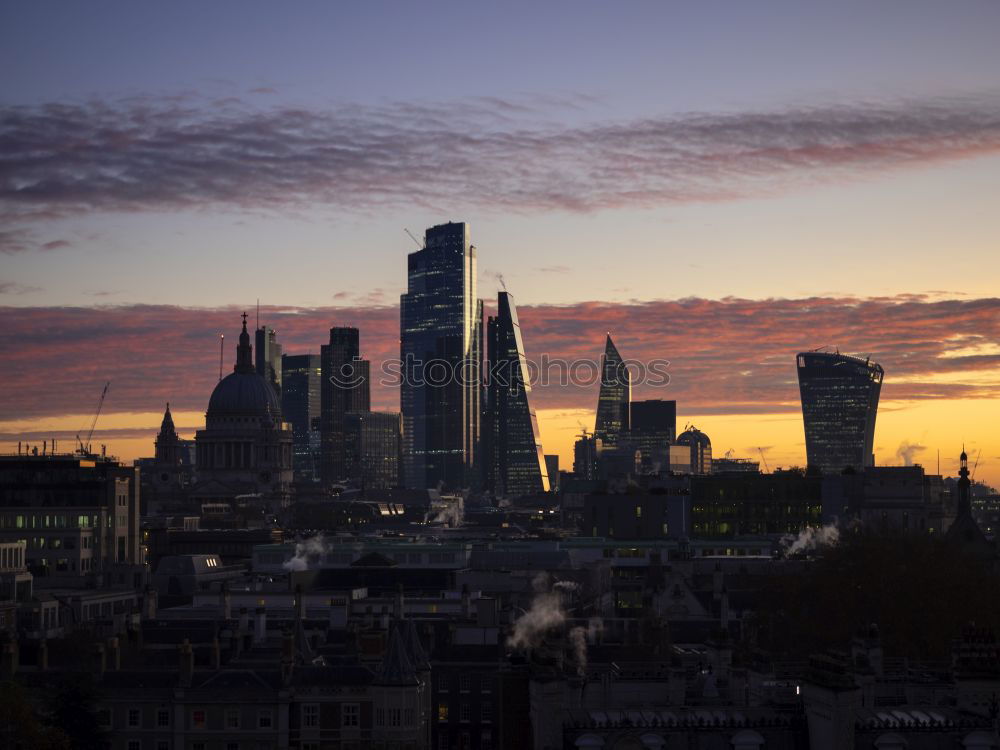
(442, 712)
(198, 718)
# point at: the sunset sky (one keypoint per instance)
(720, 185)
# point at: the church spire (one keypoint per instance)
(964, 486)
(244, 358)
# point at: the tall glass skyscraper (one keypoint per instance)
(300, 394)
(614, 399)
(267, 357)
(839, 403)
(512, 448)
(441, 349)
(345, 386)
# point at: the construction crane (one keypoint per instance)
(976, 465)
(766, 467)
(84, 447)
(414, 238)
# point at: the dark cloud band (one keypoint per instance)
(152, 155)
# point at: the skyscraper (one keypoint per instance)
(267, 357)
(839, 403)
(374, 439)
(652, 429)
(441, 349)
(300, 401)
(512, 449)
(344, 387)
(614, 399)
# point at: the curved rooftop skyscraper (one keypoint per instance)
(839, 403)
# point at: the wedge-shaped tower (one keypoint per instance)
(514, 461)
(616, 395)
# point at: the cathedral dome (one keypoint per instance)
(243, 393)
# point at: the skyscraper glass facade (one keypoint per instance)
(300, 401)
(441, 350)
(839, 403)
(614, 399)
(345, 386)
(512, 448)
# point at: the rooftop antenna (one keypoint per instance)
(222, 342)
(502, 282)
(414, 238)
(258, 313)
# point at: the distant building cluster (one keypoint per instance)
(307, 573)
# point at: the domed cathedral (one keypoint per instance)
(245, 448)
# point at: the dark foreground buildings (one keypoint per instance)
(441, 350)
(839, 402)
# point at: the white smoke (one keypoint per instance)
(546, 612)
(579, 637)
(811, 537)
(306, 550)
(566, 586)
(452, 514)
(907, 451)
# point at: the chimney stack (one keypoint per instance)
(466, 602)
(187, 663)
(397, 607)
(300, 604)
(100, 660)
(225, 602)
(260, 626)
(10, 659)
(149, 603)
(115, 654)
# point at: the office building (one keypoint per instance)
(699, 448)
(300, 407)
(267, 362)
(652, 429)
(77, 515)
(345, 386)
(441, 351)
(373, 440)
(586, 451)
(839, 403)
(614, 399)
(512, 448)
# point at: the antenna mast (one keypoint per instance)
(222, 341)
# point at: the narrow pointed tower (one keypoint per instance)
(615, 397)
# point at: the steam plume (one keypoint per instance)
(306, 550)
(811, 537)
